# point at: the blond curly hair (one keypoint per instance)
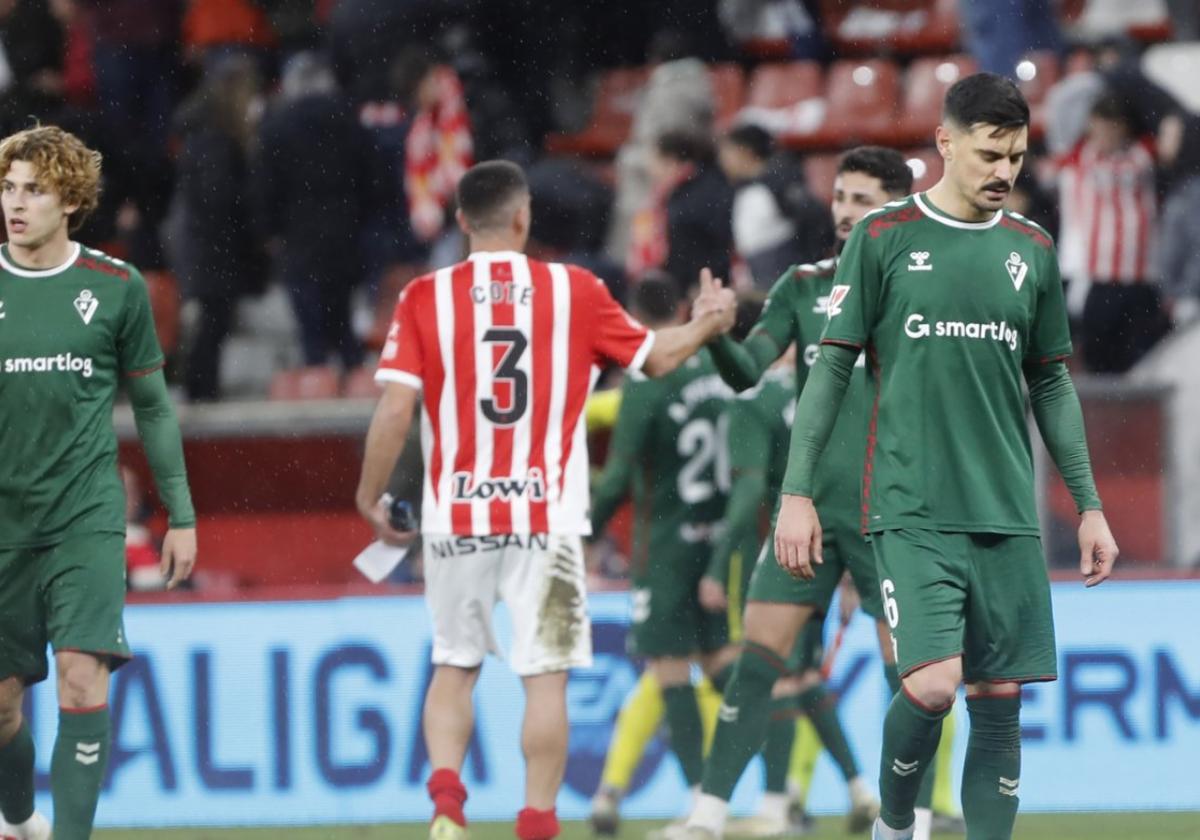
(64, 165)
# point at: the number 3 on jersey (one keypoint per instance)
(702, 442)
(507, 371)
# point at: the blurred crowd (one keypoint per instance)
(309, 149)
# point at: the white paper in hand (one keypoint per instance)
(377, 560)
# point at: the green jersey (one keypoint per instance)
(795, 311)
(67, 337)
(949, 313)
(668, 448)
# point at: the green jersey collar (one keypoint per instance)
(12, 268)
(938, 216)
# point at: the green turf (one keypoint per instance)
(1174, 826)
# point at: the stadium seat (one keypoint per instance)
(862, 99)
(891, 26)
(926, 165)
(729, 89)
(360, 384)
(1036, 74)
(786, 99)
(925, 87)
(612, 116)
(309, 383)
(820, 171)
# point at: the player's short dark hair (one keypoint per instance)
(753, 138)
(656, 297)
(749, 307)
(685, 146)
(486, 189)
(888, 165)
(987, 99)
(1113, 107)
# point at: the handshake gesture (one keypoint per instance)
(714, 303)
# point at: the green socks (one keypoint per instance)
(910, 737)
(992, 770)
(687, 734)
(777, 751)
(821, 708)
(77, 770)
(742, 721)
(16, 776)
(925, 794)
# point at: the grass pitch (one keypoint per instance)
(1124, 826)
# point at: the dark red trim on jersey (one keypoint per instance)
(1047, 360)
(93, 264)
(886, 221)
(147, 371)
(837, 342)
(1027, 229)
(872, 439)
(766, 655)
(87, 710)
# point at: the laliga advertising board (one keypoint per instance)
(267, 713)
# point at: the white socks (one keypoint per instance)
(710, 813)
(923, 827)
(773, 806)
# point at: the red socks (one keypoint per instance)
(533, 824)
(448, 795)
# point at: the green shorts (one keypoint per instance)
(667, 617)
(984, 597)
(844, 549)
(70, 595)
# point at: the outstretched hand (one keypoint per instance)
(715, 302)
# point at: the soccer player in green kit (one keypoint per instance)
(958, 305)
(74, 324)
(668, 449)
(778, 605)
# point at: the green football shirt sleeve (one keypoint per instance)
(627, 447)
(138, 351)
(854, 299)
(742, 365)
(1059, 418)
(816, 413)
(749, 447)
(1050, 333)
(159, 431)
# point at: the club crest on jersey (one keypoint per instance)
(920, 261)
(1016, 269)
(86, 305)
(837, 296)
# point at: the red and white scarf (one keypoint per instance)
(437, 153)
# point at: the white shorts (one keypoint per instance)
(540, 577)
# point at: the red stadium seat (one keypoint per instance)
(925, 87)
(927, 167)
(820, 171)
(729, 89)
(862, 99)
(612, 116)
(783, 85)
(360, 384)
(891, 26)
(309, 383)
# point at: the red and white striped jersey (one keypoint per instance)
(1108, 210)
(506, 350)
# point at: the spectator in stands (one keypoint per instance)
(214, 256)
(999, 33)
(214, 29)
(1108, 201)
(32, 42)
(437, 148)
(777, 222)
(686, 224)
(311, 179)
(677, 98)
(1177, 257)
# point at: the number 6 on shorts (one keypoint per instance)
(891, 609)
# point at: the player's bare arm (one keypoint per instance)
(674, 345)
(1098, 550)
(385, 441)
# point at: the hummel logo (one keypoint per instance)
(86, 305)
(900, 768)
(919, 259)
(87, 752)
(729, 714)
(1, 309)
(1008, 787)
(1016, 269)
